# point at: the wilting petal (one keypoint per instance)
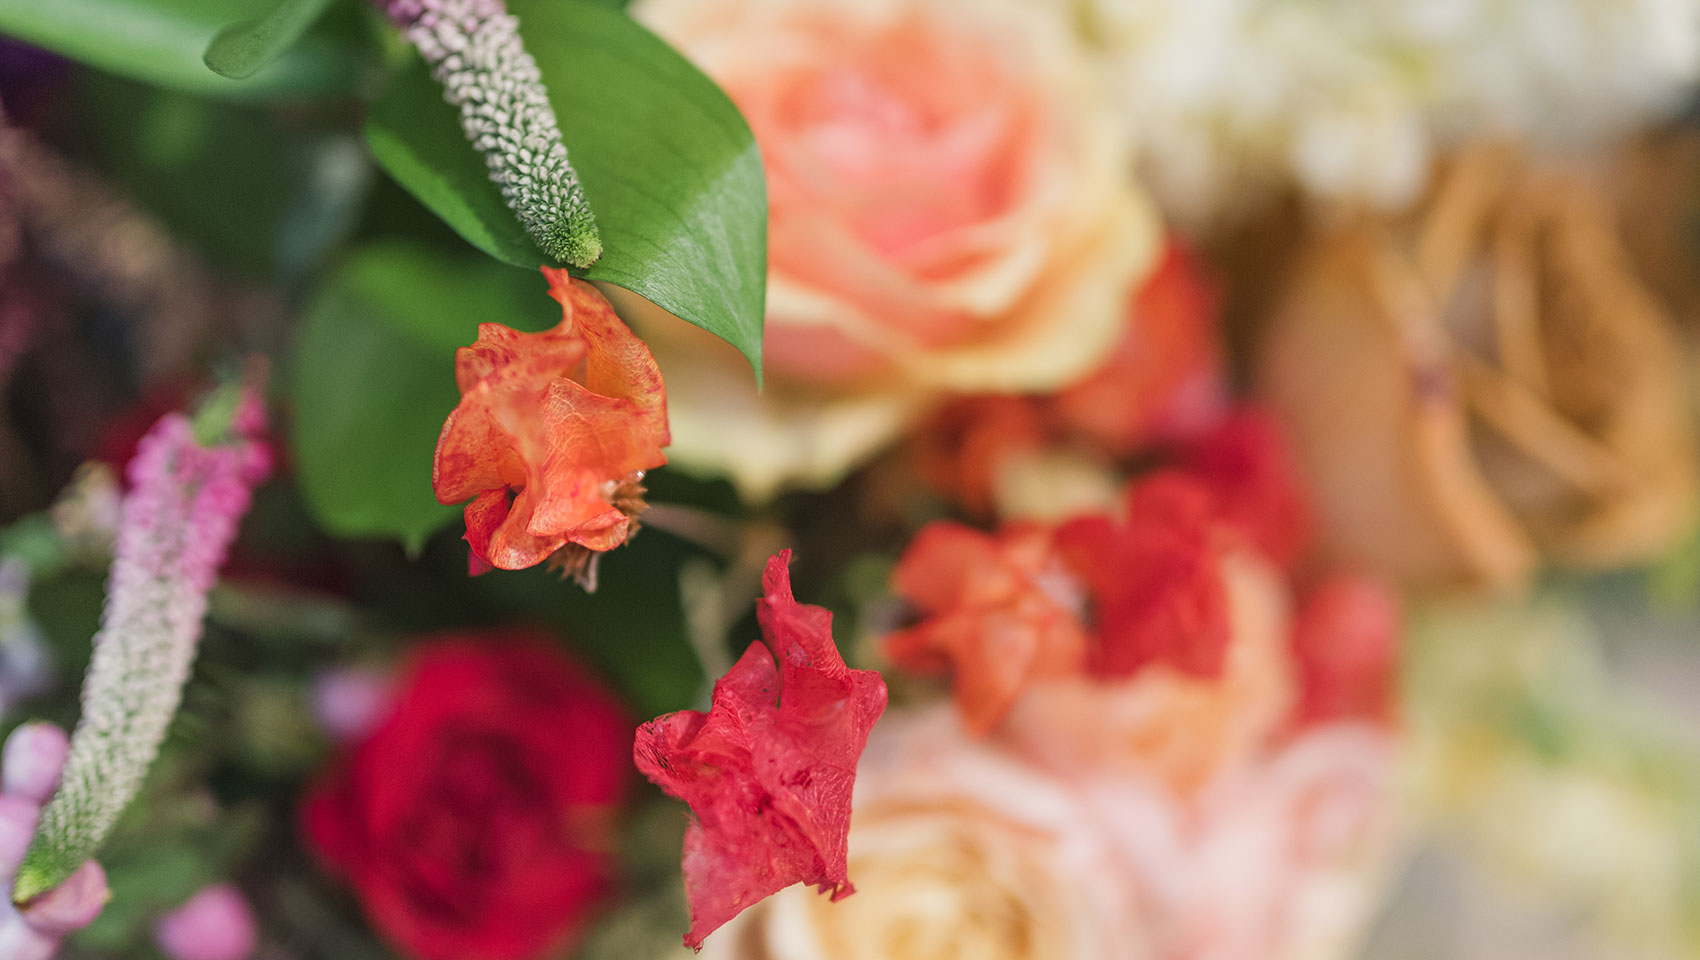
(768, 771)
(551, 429)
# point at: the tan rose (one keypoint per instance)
(1483, 384)
(950, 211)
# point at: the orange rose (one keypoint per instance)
(950, 211)
(1164, 377)
(552, 435)
(1047, 457)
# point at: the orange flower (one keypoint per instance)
(552, 435)
(960, 450)
(1000, 611)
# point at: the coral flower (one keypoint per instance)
(1000, 612)
(769, 770)
(1163, 378)
(552, 435)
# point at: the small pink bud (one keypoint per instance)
(215, 924)
(350, 702)
(34, 755)
(70, 906)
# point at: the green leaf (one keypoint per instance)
(667, 161)
(374, 380)
(241, 49)
(262, 192)
(632, 629)
(163, 41)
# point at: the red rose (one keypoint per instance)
(475, 822)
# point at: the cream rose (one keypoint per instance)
(959, 852)
(950, 211)
(960, 849)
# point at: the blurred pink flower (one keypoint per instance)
(214, 924)
(34, 756)
(350, 701)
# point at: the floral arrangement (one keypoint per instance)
(831, 480)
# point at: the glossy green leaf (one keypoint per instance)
(163, 41)
(667, 161)
(241, 49)
(374, 380)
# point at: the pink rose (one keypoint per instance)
(950, 210)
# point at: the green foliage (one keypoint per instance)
(667, 161)
(632, 629)
(162, 42)
(374, 379)
(259, 191)
(242, 49)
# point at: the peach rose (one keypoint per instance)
(1297, 852)
(950, 211)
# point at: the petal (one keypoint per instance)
(769, 770)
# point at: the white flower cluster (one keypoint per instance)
(474, 50)
(1350, 97)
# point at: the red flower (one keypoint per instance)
(1249, 469)
(1000, 611)
(1346, 643)
(476, 822)
(768, 771)
(1163, 377)
(1155, 579)
(552, 434)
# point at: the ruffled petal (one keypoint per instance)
(770, 768)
